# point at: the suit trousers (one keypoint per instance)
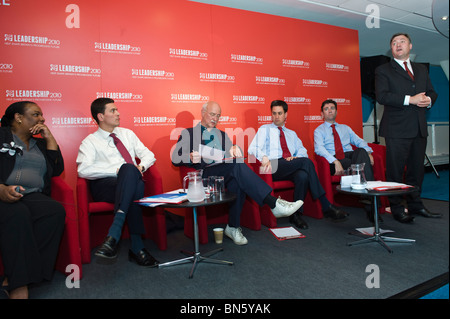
(240, 180)
(123, 190)
(357, 156)
(302, 172)
(409, 153)
(30, 233)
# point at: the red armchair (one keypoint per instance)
(250, 217)
(329, 182)
(285, 190)
(97, 216)
(69, 249)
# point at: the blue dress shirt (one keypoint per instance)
(267, 143)
(324, 140)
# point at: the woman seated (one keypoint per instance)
(31, 223)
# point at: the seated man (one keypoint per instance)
(239, 178)
(282, 154)
(107, 159)
(342, 156)
(337, 149)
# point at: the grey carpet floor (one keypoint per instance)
(319, 266)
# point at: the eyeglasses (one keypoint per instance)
(214, 115)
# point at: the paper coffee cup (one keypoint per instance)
(218, 235)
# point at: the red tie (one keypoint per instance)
(407, 70)
(337, 144)
(123, 151)
(283, 143)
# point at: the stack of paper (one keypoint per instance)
(370, 231)
(385, 186)
(173, 197)
(283, 233)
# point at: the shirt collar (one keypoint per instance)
(401, 62)
(282, 127)
(328, 124)
(105, 134)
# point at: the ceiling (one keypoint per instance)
(411, 16)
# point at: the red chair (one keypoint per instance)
(329, 182)
(285, 190)
(69, 249)
(95, 218)
(250, 217)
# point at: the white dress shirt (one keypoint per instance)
(408, 62)
(98, 156)
(267, 143)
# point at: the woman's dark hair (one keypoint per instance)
(98, 106)
(17, 107)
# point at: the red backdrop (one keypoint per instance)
(160, 60)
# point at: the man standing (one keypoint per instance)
(239, 178)
(282, 154)
(405, 90)
(334, 142)
(107, 159)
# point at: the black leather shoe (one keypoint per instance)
(426, 213)
(336, 214)
(403, 217)
(108, 249)
(298, 221)
(143, 258)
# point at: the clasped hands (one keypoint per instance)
(339, 170)
(421, 100)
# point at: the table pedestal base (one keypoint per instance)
(382, 240)
(377, 237)
(195, 256)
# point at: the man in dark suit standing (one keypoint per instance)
(405, 90)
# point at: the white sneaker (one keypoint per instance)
(284, 208)
(236, 235)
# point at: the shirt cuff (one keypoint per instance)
(406, 101)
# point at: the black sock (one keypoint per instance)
(324, 202)
(270, 200)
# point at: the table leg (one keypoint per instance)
(195, 256)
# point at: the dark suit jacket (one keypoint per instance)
(189, 141)
(392, 83)
(54, 159)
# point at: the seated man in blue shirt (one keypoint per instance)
(287, 159)
(324, 144)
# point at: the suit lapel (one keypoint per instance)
(416, 70)
(400, 70)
